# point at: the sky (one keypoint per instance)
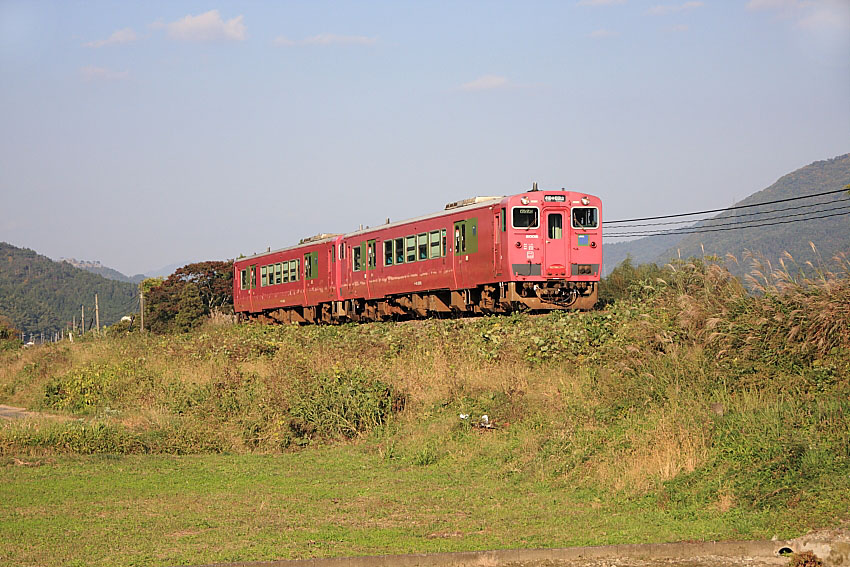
(145, 134)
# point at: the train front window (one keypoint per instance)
(526, 217)
(585, 217)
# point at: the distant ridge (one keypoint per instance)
(40, 295)
(96, 267)
(829, 235)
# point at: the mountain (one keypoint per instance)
(96, 267)
(40, 295)
(829, 235)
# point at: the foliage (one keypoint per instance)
(40, 295)
(180, 302)
(9, 335)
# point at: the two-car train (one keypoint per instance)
(538, 250)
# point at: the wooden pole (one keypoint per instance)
(142, 308)
(82, 319)
(96, 315)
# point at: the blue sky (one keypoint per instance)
(150, 133)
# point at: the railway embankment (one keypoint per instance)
(687, 408)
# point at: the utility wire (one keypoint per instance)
(739, 224)
(792, 208)
(700, 230)
(730, 208)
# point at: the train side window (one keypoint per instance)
(526, 217)
(355, 258)
(585, 217)
(388, 252)
(253, 273)
(504, 220)
(285, 272)
(399, 250)
(422, 246)
(293, 271)
(277, 273)
(333, 253)
(556, 226)
(371, 254)
(243, 279)
(458, 249)
(434, 244)
(297, 269)
(342, 252)
(410, 248)
(264, 276)
(443, 240)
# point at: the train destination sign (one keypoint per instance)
(554, 198)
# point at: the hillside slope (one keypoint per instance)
(830, 235)
(40, 295)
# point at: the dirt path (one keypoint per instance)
(11, 412)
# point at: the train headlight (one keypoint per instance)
(585, 201)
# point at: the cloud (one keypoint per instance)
(208, 26)
(662, 9)
(602, 34)
(812, 15)
(600, 2)
(327, 39)
(126, 35)
(486, 82)
(92, 73)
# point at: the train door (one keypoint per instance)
(555, 247)
(498, 224)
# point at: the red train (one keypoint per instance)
(538, 250)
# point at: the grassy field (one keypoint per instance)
(686, 409)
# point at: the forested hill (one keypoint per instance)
(829, 235)
(38, 294)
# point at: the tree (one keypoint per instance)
(192, 292)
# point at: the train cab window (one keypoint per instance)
(355, 258)
(264, 276)
(243, 279)
(556, 226)
(443, 241)
(526, 217)
(410, 248)
(388, 253)
(399, 250)
(585, 217)
(422, 246)
(434, 244)
(371, 254)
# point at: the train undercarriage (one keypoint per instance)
(492, 298)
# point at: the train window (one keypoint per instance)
(556, 226)
(372, 254)
(342, 252)
(264, 276)
(285, 272)
(333, 254)
(399, 250)
(585, 217)
(253, 273)
(410, 248)
(526, 217)
(443, 240)
(355, 258)
(277, 273)
(293, 270)
(243, 279)
(422, 241)
(504, 220)
(388, 252)
(434, 243)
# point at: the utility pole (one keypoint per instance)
(82, 320)
(142, 307)
(96, 315)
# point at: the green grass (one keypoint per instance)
(687, 409)
(336, 501)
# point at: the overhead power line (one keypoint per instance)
(843, 190)
(793, 208)
(738, 227)
(739, 224)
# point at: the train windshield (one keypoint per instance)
(585, 217)
(526, 217)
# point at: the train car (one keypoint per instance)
(538, 250)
